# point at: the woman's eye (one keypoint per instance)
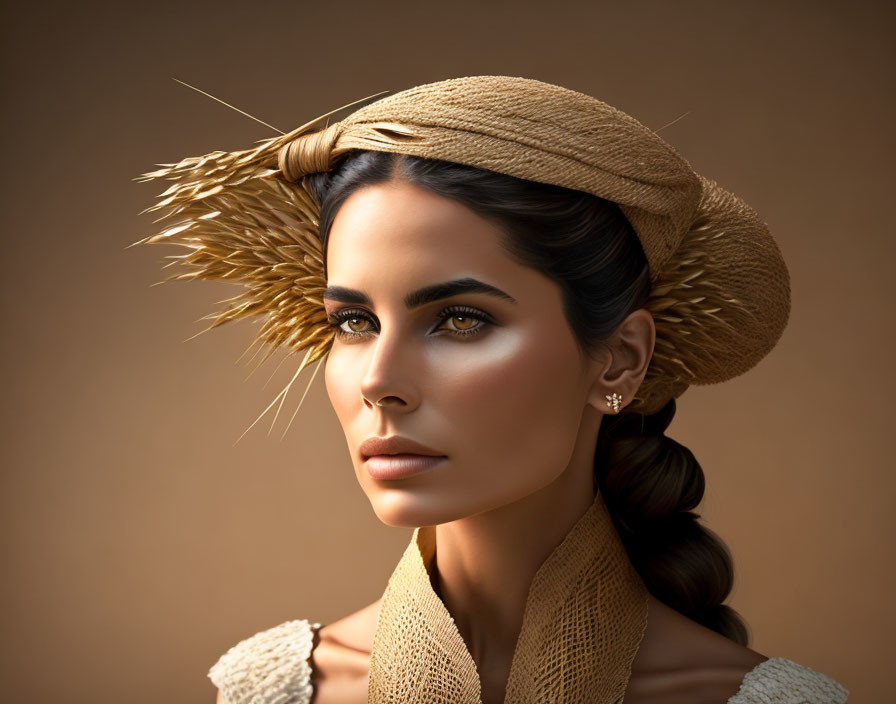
(457, 320)
(464, 324)
(349, 323)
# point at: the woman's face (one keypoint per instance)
(493, 383)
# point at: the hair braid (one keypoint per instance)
(651, 484)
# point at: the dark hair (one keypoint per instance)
(649, 482)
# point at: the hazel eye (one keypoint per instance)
(350, 318)
(353, 321)
(467, 322)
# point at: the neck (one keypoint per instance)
(484, 564)
(539, 604)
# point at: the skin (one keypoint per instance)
(515, 407)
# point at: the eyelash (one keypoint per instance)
(335, 321)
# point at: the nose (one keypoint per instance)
(389, 380)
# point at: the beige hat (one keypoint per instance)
(720, 293)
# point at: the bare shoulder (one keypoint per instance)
(340, 662)
(681, 661)
(340, 658)
(354, 631)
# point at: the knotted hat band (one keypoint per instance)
(720, 295)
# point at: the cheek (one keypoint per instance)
(340, 380)
(517, 407)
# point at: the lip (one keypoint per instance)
(402, 466)
(395, 445)
(396, 457)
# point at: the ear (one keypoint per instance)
(622, 367)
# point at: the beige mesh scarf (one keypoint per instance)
(584, 619)
(720, 294)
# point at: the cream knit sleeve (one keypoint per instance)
(783, 681)
(271, 667)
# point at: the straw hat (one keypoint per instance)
(720, 294)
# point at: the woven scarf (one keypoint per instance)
(584, 619)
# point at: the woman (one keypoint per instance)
(511, 283)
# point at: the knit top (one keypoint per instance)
(274, 667)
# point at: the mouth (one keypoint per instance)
(397, 457)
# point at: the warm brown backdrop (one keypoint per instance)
(139, 542)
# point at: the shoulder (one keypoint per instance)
(680, 660)
(267, 666)
(300, 662)
(785, 681)
(683, 661)
(341, 661)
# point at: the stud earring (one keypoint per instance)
(615, 401)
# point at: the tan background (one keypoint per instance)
(139, 542)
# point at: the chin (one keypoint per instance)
(404, 508)
(401, 509)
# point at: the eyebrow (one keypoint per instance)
(421, 296)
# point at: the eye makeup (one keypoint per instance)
(339, 318)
